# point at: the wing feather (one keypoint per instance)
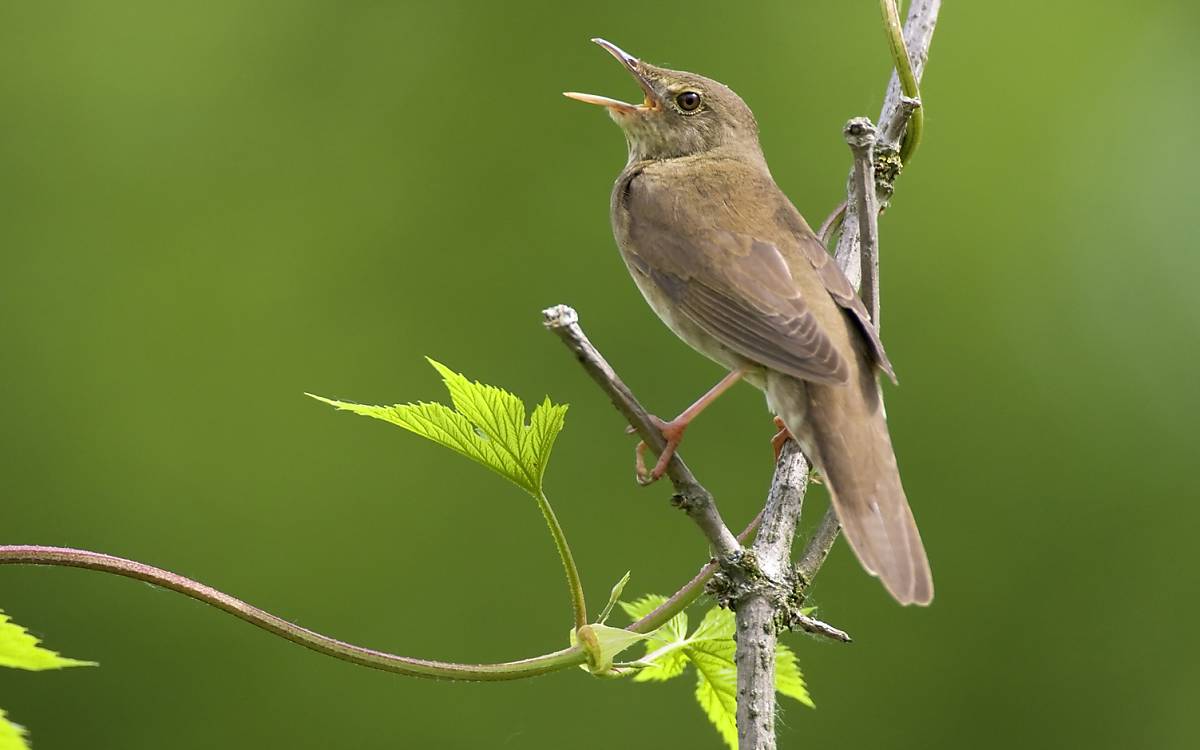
(740, 291)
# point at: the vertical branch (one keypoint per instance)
(767, 589)
(898, 108)
(860, 135)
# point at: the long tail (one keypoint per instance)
(843, 430)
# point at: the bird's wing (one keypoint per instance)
(844, 295)
(740, 290)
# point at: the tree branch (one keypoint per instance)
(690, 495)
(768, 582)
(860, 136)
(898, 106)
(817, 549)
(758, 583)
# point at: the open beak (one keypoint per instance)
(631, 64)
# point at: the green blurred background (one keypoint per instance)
(209, 208)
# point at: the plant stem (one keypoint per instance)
(906, 75)
(76, 558)
(574, 585)
(404, 665)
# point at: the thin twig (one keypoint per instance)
(894, 130)
(817, 549)
(898, 106)
(860, 136)
(813, 626)
(690, 495)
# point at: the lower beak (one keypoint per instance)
(631, 64)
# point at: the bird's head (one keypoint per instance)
(682, 113)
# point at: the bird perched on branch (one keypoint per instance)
(730, 265)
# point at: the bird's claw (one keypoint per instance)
(673, 432)
(780, 438)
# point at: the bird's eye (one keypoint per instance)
(688, 101)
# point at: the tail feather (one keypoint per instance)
(843, 431)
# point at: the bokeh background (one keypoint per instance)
(208, 208)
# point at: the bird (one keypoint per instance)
(727, 262)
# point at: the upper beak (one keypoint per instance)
(631, 64)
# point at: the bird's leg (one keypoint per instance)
(673, 430)
(780, 438)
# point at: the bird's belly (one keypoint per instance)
(693, 335)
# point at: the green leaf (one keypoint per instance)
(716, 685)
(642, 607)
(664, 647)
(718, 624)
(20, 650)
(487, 425)
(711, 650)
(788, 680)
(12, 736)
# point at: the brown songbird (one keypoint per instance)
(728, 263)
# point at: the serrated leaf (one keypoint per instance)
(718, 624)
(20, 650)
(487, 425)
(788, 680)
(12, 736)
(711, 649)
(716, 685)
(664, 647)
(639, 608)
